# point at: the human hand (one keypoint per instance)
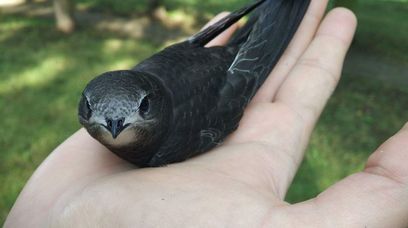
(241, 183)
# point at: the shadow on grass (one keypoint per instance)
(199, 9)
(383, 35)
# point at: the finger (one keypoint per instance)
(316, 74)
(223, 38)
(376, 197)
(297, 46)
(268, 154)
(303, 95)
(391, 158)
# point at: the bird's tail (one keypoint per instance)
(262, 42)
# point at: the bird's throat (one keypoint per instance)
(125, 138)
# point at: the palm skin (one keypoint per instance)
(241, 183)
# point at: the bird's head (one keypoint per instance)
(124, 108)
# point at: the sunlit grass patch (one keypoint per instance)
(42, 74)
(45, 72)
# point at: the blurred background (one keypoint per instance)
(46, 62)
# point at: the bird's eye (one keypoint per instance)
(120, 122)
(109, 123)
(85, 108)
(144, 106)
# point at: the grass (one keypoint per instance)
(42, 77)
(360, 116)
(386, 36)
(42, 73)
(193, 6)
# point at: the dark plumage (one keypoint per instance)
(187, 98)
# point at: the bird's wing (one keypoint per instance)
(188, 71)
(206, 35)
(270, 33)
(216, 94)
(194, 77)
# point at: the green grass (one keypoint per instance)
(383, 29)
(363, 112)
(131, 7)
(360, 116)
(42, 74)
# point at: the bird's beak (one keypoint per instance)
(115, 127)
(115, 131)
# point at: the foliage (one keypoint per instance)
(42, 74)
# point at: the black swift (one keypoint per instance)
(187, 98)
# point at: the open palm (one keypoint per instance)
(241, 183)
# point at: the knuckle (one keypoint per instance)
(318, 66)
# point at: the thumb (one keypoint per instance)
(375, 197)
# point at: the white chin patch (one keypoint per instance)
(124, 138)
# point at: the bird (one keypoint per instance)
(187, 98)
